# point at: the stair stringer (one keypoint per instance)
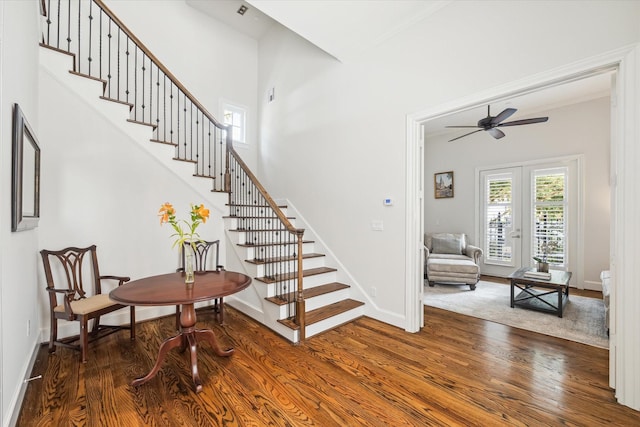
(58, 66)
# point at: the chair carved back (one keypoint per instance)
(201, 250)
(71, 265)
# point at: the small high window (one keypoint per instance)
(236, 117)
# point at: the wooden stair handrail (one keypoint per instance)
(159, 64)
(267, 197)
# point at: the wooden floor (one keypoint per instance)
(457, 371)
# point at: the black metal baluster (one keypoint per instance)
(143, 86)
(79, 55)
(150, 91)
(171, 111)
(128, 54)
(178, 125)
(209, 145)
(100, 46)
(158, 103)
(118, 69)
(90, 34)
(185, 126)
(109, 59)
(195, 145)
(135, 83)
(69, 26)
(49, 23)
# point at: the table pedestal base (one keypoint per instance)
(187, 338)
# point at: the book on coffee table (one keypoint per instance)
(537, 275)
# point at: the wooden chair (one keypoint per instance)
(66, 272)
(201, 250)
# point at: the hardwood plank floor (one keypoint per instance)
(458, 370)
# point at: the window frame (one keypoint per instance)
(236, 109)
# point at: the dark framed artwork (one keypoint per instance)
(443, 185)
(25, 177)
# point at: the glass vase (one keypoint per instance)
(188, 268)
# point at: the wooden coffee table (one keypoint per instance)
(538, 294)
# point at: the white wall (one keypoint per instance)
(579, 129)
(99, 186)
(18, 253)
(340, 127)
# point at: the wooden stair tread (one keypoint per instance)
(117, 101)
(138, 122)
(322, 313)
(294, 274)
(254, 206)
(90, 77)
(160, 141)
(185, 160)
(257, 230)
(309, 293)
(280, 259)
(252, 217)
(252, 245)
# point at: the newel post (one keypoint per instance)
(300, 304)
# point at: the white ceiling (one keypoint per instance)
(341, 28)
(253, 23)
(534, 104)
(346, 28)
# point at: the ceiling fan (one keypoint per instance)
(492, 123)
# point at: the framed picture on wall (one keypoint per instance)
(443, 185)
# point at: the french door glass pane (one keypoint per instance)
(549, 216)
(498, 218)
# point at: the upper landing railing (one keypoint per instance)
(104, 49)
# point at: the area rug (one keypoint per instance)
(582, 318)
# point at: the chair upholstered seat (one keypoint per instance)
(88, 305)
(458, 265)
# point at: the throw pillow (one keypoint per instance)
(447, 245)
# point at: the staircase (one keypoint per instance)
(298, 294)
(274, 269)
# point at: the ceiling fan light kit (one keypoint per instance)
(492, 123)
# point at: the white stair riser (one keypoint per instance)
(251, 251)
(308, 282)
(234, 223)
(307, 263)
(248, 237)
(334, 321)
(326, 299)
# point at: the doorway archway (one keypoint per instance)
(625, 136)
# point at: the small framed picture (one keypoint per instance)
(443, 185)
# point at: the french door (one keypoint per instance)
(501, 224)
(528, 211)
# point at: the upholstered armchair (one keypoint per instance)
(450, 259)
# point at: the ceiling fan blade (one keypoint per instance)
(462, 127)
(466, 134)
(524, 121)
(506, 113)
(496, 133)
